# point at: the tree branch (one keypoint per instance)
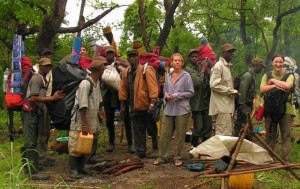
(88, 23)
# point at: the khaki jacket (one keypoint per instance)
(145, 87)
(221, 84)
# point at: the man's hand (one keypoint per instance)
(101, 115)
(151, 108)
(58, 95)
(122, 108)
(84, 130)
(236, 94)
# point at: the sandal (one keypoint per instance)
(178, 163)
(159, 161)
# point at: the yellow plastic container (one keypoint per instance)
(244, 181)
(85, 143)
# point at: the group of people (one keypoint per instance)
(204, 90)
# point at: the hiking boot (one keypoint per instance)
(110, 148)
(33, 166)
(131, 149)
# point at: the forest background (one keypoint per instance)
(256, 28)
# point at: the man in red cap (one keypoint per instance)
(221, 106)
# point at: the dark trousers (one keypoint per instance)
(202, 124)
(31, 121)
(110, 117)
(140, 121)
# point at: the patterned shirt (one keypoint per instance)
(91, 102)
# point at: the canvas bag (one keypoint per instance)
(111, 77)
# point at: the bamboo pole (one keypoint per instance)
(251, 171)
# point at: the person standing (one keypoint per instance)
(221, 106)
(111, 103)
(247, 90)
(141, 91)
(285, 121)
(200, 101)
(178, 90)
(86, 113)
(33, 116)
(44, 130)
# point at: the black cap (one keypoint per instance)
(132, 52)
(44, 51)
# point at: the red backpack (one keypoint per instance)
(206, 52)
(15, 100)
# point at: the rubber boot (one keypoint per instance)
(91, 158)
(33, 158)
(73, 167)
(194, 142)
(81, 167)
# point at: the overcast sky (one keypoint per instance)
(73, 12)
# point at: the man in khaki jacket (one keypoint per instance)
(139, 86)
(221, 106)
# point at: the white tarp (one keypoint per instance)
(217, 146)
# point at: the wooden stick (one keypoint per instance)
(275, 155)
(201, 184)
(251, 171)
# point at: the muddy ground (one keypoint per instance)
(150, 176)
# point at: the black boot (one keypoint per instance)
(194, 142)
(33, 166)
(81, 168)
(91, 158)
(73, 169)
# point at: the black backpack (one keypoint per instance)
(66, 77)
(275, 100)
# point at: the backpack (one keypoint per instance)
(275, 100)
(207, 54)
(18, 83)
(66, 77)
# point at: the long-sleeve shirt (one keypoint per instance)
(221, 84)
(182, 90)
(247, 91)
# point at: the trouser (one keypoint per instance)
(202, 124)
(240, 122)
(170, 123)
(31, 121)
(139, 122)
(110, 117)
(285, 126)
(222, 124)
(43, 131)
(152, 131)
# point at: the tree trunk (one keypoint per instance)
(169, 20)
(51, 25)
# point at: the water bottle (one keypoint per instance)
(5, 79)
